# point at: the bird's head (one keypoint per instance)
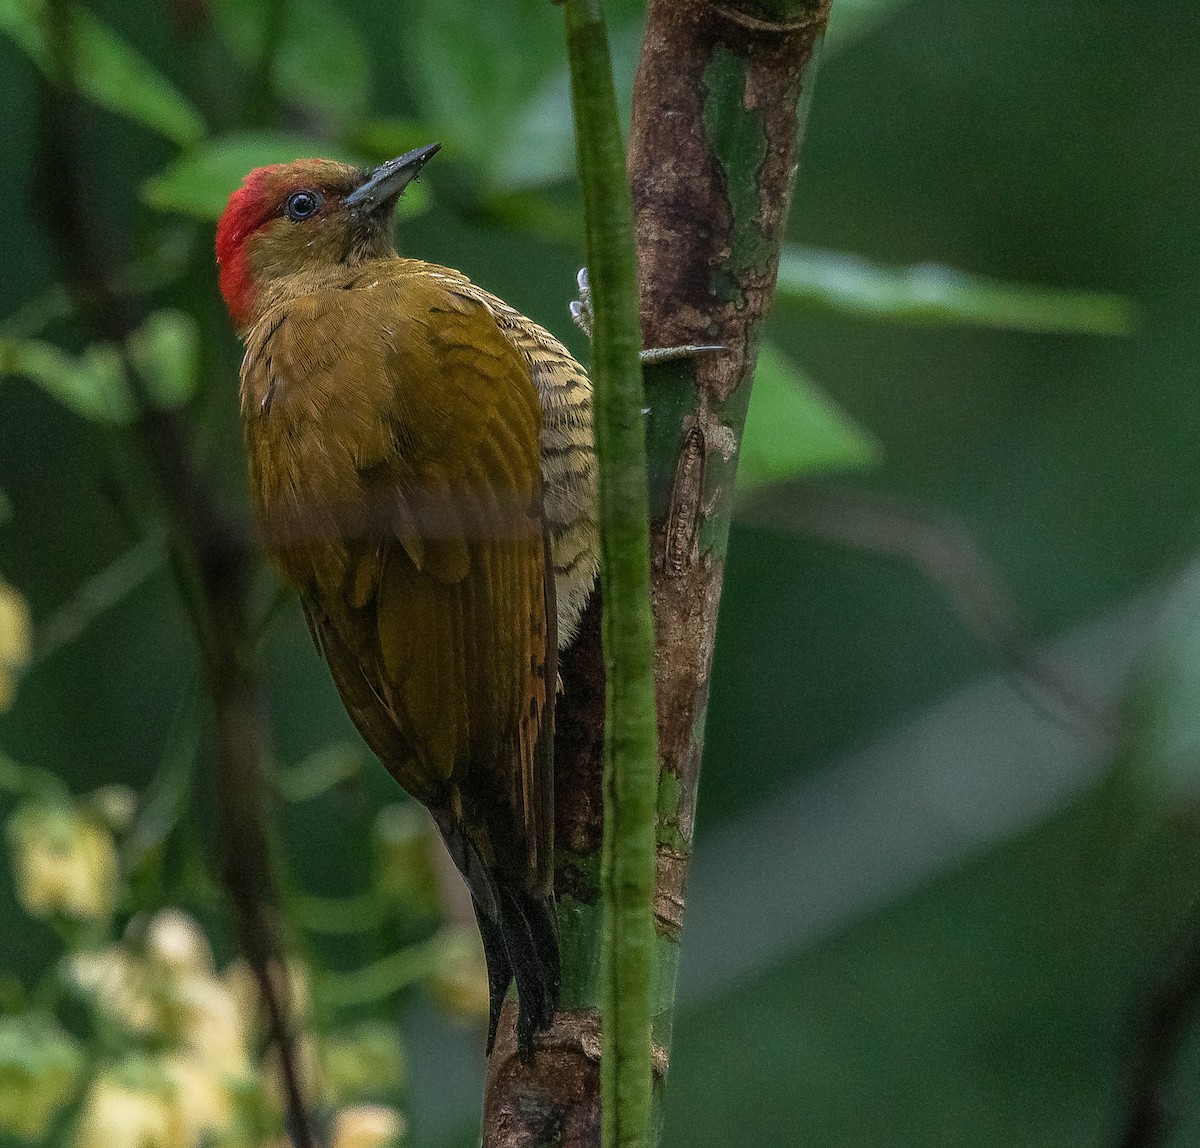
(306, 216)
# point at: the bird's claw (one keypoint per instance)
(581, 308)
(582, 314)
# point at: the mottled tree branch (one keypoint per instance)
(712, 157)
(716, 126)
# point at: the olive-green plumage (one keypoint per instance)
(421, 464)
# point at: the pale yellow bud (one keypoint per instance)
(115, 805)
(62, 863)
(172, 993)
(175, 943)
(39, 1069)
(120, 985)
(172, 996)
(367, 1126)
(131, 1107)
(16, 636)
(207, 1021)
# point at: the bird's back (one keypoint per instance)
(394, 443)
(567, 448)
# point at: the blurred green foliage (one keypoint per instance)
(983, 204)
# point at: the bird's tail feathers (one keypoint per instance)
(520, 942)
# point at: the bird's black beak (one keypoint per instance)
(388, 180)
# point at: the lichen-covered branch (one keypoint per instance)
(716, 123)
(712, 156)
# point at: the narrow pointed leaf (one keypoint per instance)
(933, 294)
(793, 429)
(93, 384)
(107, 70)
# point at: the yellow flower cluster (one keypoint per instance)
(190, 1073)
(167, 990)
(203, 1087)
(132, 1106)
(16, 635)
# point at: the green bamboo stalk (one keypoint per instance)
(630, 775)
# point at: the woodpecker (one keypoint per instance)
(422, 467)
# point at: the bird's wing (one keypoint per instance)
(431, 604)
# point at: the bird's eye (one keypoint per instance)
(301, 204)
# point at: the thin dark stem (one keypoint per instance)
(1170, 1016)
(945, 553)
(630, 775)
(218, 550)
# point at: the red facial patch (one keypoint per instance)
(247, 210)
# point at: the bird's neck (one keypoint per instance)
(271, 291)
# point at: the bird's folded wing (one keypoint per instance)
(437, 626)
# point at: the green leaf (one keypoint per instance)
(497, 90)
(323, 63)
(166, 352)
(933, 294)
(321, 771)
(383, 139)
(106, 70)
(200, 182)
(851, 20)
(1161, 745)
(93, 385)
(22, 21)
(40, 1068)
(376, 982)
(793, 429)
(475, 74)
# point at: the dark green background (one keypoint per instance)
(997, 1003)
